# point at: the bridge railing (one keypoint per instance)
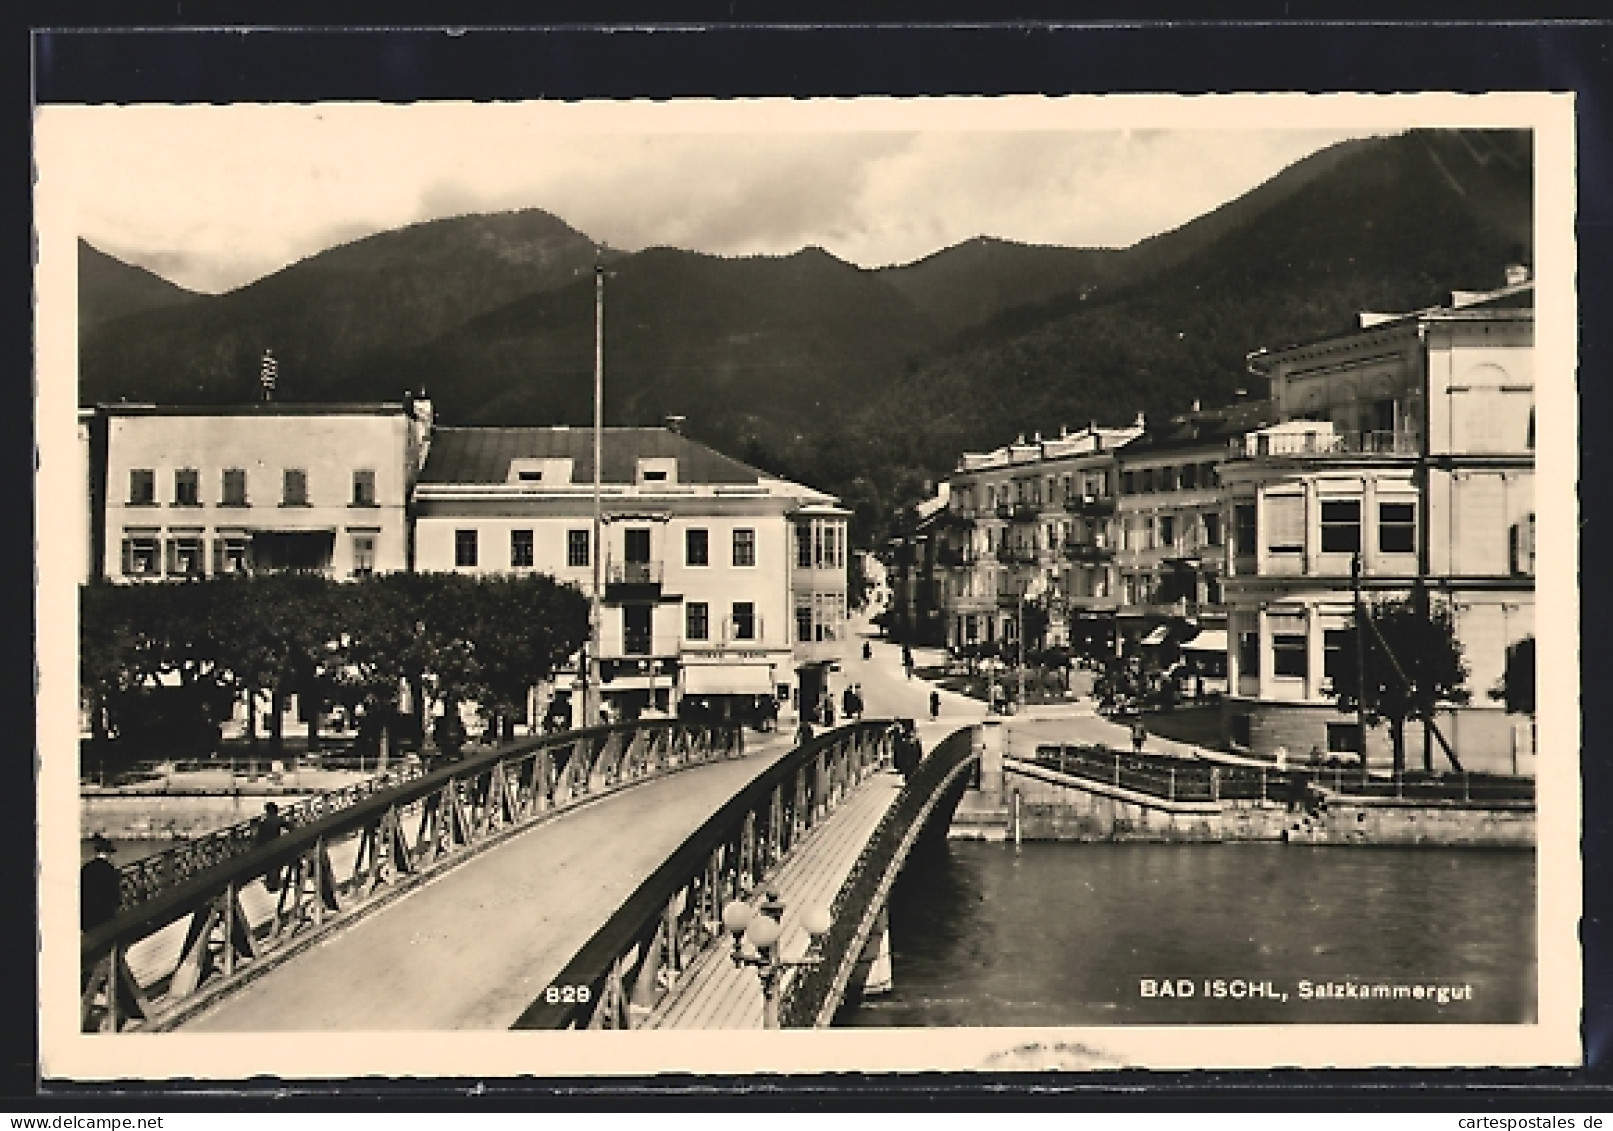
(1178, 779)
(809, 998)
(159, 960)
(616, 979)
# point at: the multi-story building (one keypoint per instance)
(1171, 530)
(1029, 518)
(194, 491)
(1408, 442)
(718, 581)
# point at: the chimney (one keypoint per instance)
(1140, 422)
(1195, 407)
(1064, 431)
(1517, 274)
(674, 423)
(1036, 438)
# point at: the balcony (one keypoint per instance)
(1019, 512)
(1016, 555)
(1323, 443)
(1087, 552)
(1095, 505)
(626, 581)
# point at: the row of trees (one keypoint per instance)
(162, 664)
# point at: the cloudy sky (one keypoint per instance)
(214, 197)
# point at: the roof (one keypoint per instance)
(483, 455)
(255, 408)
(1209, 427)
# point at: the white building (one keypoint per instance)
(194, 491)
(719, 582)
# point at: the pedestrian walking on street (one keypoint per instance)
(1139, 735)
(907, 660)
(98, 885)
(868, 650)
(848, 701)
(935, 705)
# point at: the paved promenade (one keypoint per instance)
(474, 946)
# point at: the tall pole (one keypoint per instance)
(592, 697)
(1360, 662)
(1020, 703)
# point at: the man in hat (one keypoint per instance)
(98, 885)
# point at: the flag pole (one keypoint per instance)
(591, 698)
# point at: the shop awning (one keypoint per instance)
(727, 679)
(1210, 640)
(1158, 635)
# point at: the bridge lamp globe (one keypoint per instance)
(816, 921)
(736, 916)
(763, 933)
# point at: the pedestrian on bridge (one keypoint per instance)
(270, 826)
(98, 885)
(1139, 735)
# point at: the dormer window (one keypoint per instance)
(529, 475)
(657, 470)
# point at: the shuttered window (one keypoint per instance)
(1481, 527)
(1285, 524)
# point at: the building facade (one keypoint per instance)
(1031, 519)
(1409, 443)
(717, 582)
(186, 492)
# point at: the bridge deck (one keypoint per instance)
(474, 946)
(714, 994)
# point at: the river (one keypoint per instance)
(1071, 934)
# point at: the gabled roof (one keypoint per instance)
(483, 455)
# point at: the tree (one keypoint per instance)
(1413, 666)
(857, 583)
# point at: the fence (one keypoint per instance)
(676, 914)
(203, 921)
(1176, 779)
(809, 998)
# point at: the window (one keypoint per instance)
(803, 547)
(363, 555)
(1243, 529)
(140, 556)
(830, 552)
(187, 488)
(1285, 524)
(696, 547)
(1128, 482)
(1167, 479)
(576, 547)
(464, 548)
(744, 547)
(142, 487)
(1521, 547)
(1190, 476)
(185, 557)
(744, 620)
(1341, 526)
(803, 623)
(364, 488)
(1288, 654)
(234, 491)
(1248, 655)
(521, 549)
(1207, 476)
(1148, 480)
(295, 493)
(1242, 729)
(636, 547)
(232, 555)
(1397, 528)
(1338, 652)
(697, 620)
(636, 629)
(1343, 738)
(655, 476)
(529, 475)
(1212, 529)
(1167, 530)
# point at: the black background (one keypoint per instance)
(712, 51)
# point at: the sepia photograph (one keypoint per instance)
(984, 583)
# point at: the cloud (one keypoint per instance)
(215, 196)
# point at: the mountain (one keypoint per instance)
(757, 347)
(865, 383)
(970, 283)
(325, 314)
(1396, 225)
(109, 288)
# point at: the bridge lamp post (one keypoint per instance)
(762, 928)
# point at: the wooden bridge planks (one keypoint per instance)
(714, 994)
